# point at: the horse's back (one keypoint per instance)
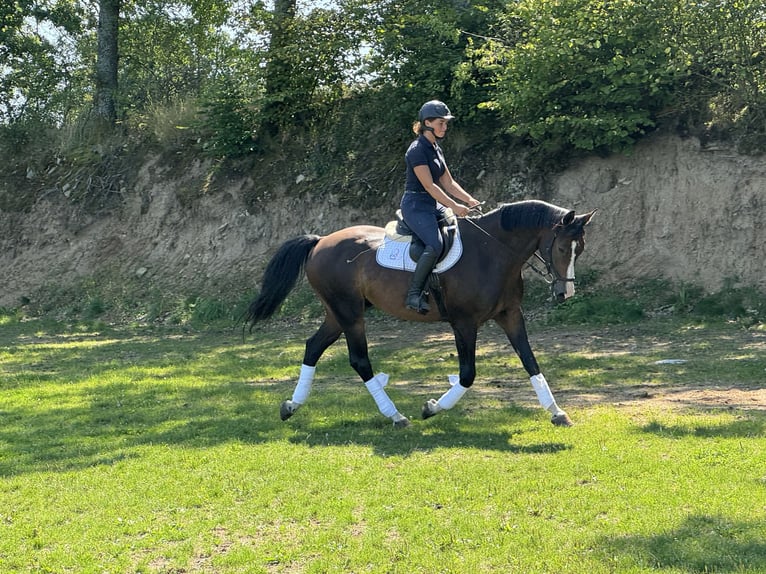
(335, 254)
(362, 236)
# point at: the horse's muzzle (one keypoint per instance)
(562, 290)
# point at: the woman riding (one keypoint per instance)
(429, 191)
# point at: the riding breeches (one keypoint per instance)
(422, 213)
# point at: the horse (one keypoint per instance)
(484, 284)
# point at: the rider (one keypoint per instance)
(429, 191)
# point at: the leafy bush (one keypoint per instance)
(595, 76)
(584, 74)
(600, 309)
(228, 120)
(746, 305)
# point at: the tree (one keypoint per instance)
(34, 73)
(280, 100)
(107, 60)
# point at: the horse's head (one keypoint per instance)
(559, 239)
(561, 248)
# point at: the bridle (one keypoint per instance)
(551, 276)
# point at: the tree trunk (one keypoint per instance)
(106, 60)
(278, 74)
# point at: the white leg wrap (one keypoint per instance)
(385, 404)
(303, 388)
(451, 397)
(544, 394)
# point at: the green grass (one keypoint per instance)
(155, 449)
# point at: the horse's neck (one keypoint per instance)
(522, 242)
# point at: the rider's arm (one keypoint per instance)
(452, 187)
(424, 176)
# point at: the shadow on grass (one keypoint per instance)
(195, 390)
(699, 544)
(751, 424)
(68, 429)
(453, 430)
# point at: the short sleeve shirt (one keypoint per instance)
(423, 152)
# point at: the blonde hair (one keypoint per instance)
(417, 128)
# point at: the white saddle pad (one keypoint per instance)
(395, 254)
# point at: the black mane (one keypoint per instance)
(531, 213)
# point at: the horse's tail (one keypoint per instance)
(280, 277)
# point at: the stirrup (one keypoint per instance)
(422, 306)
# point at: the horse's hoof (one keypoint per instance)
(430, 408)
(287, 409)
(402, 423)
(562, 420)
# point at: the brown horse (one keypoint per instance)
(485, 283)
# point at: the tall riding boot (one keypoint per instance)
(416, 299)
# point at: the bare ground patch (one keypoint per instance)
(663, 351)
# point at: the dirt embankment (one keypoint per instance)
(673, 209)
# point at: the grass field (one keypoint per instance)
(147, 449)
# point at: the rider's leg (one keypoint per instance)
(421, 215)
(415, 297)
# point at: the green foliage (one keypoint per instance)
(606, 309)
(724, 44)
(593, 76)
(302, 304)
(9, 316)
(229, 119)
(418, 53)
(745, 305)
(171, 127)
(169, 52)
(563, 75)
(582, 74)
(600, 305)
(38, 69)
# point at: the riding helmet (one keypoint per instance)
(434, 109)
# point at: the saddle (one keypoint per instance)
(400, 231)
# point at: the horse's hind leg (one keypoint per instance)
(327, 334)
(465, 341)
(356, 339)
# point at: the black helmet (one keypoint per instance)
(434, 109)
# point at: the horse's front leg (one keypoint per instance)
(465, 341)
(356, 340)
(515, 329)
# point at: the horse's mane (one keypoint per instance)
(528, 214)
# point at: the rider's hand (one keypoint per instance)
(461, 210)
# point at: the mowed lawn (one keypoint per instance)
(140, 449)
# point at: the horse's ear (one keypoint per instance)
(586, 217)
(568, 218)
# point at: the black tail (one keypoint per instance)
(280, 277)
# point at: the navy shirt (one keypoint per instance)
(423, 152)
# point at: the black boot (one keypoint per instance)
(416, 299)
